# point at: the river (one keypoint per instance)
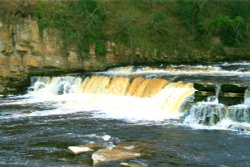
(159, 107)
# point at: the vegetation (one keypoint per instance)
(161, 25)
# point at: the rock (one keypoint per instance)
(124, 164)
(105, 155)
(233, 88)
(110, 56)
(74, 61)
(84, 148)
(22, 47)
(51, 39)
(93, 145)
(80, 149)
(33, 61)
(92, 51)
(207, 87)
(15, 60)
(4, 60)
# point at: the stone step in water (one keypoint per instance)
(228, 94)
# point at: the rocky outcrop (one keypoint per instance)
(14, 84)
(23, 46)
(25, 50)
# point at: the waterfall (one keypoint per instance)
(140, 90)
(119, 86)
(215, 99)
(247, 97)
(206, 114)
(149, 98)
(212, 112)
(241, 112)
(55, 85)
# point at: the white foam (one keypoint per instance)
(225, 124)
(106, 137)
(244, 63)
(120, 107)
(109, 106)
(183, 69)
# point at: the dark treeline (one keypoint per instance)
(146, 24)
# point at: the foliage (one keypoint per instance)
(224, 19)
(163, 25)
(125, 29)
(231, 31)
(81, 21)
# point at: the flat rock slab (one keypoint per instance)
(84, 148)
(105, 155)
(80, 149)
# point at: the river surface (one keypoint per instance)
(37, 128)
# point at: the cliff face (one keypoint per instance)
(25, 51)
(23, 46)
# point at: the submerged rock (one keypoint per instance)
(134, 146)
(105, 155)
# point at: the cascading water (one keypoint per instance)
(124, 97)
(213, 113)
(207, 113)
(55, 85)
(247, 97)
(240, 112)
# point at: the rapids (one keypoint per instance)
(187, 116)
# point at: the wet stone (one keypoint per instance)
(233, 88)
(206, 87)
(105, 155)
(80, 149)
